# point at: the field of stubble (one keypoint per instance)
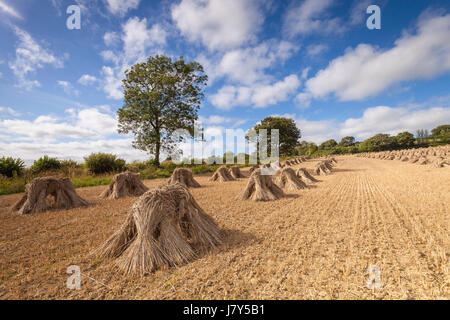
(315, 244)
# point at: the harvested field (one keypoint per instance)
(316, 243)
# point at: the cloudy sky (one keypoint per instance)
(311, 60)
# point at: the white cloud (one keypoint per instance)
(305, 73)
(258, 95)
(110, 56)
(138, 43)
(279, 91)
(137, 38)
(30, 56)
(316, 49)
(9, 10)
(112, 84)
(68, 88)
(367, 71)
(84, 124)
(230, 96)
(121, 7)
(389, 120)
(303, 100)
(217, 119)
(218, 24)
(87, 79)
(317, 131)
(214, 119)
(358, 11)
(380, 119)
(5, 111)
(307, 18)
(111, 38)
(247, 65)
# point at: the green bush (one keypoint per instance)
(69, 164)
(45, 164)
(98, 163)
(10, 167)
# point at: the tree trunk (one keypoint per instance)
(157, 151)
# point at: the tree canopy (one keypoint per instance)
(160, 97)
(405, 140)
(328, 145)
(289, 134)
(347, 141)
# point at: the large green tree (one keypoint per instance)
(161, 96)
(289, 134)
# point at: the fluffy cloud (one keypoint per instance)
(279, 91)
(258, 95)
(30, 56)
(307, 18)
(384, 119)
(318, 131)
(137, 38)
(247, 65)
(111, 38)
(76, 135)
(87, 124)
(380, 119)
(121, 7)
(245, 71)
(139, 42)
(218, 24)
(87, 80)
(112, 84)
(366, 70)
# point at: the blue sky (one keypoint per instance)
(312, 60)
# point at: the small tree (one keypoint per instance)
(160, 96)
(289, 134)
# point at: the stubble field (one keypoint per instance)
(315, 244)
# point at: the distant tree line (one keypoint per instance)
(379, 142)
(290, 144)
